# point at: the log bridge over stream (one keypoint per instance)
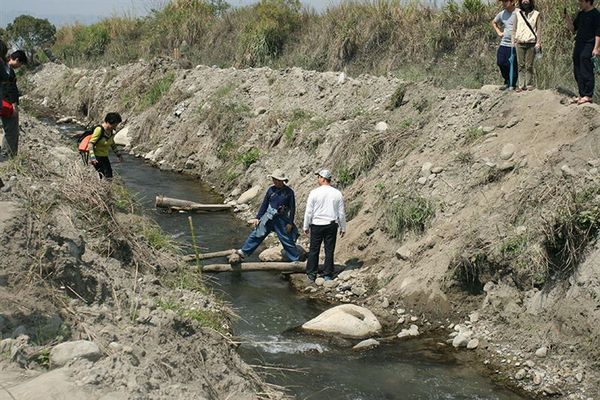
(244, 266)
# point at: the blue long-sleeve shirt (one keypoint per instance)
(281, 199)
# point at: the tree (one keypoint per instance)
(29, 34)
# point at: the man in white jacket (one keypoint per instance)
(323, 216)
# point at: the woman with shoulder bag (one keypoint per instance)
(527, 40)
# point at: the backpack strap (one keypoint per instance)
(528, 24)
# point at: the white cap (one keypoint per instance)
(324, 173)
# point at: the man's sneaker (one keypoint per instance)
(327, 278)
(240, 253)
(503, 87)
(310, 279)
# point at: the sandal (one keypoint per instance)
(584, 99)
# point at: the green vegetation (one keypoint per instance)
(156, 91)
(31, 34)
(345, 177)
(397, 97)
(156, 237)
(353, 208)
(205, 318)
(409, 212)
(454, 44)
(473, 134)
(465, 158)
(249, 157)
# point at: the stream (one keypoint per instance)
(269, 310)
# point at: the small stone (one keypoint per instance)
(474, 317)
(529, 364)
(385, 303)
(426, 169)
(366, 344)
(422, 180)
(507, 151)
(541, 352)
(537, 378)
(404, 253)
(413, 319)
(381, 126)
(400, 311)
(473, 344)
(579, 377)
(437, 170)
(567, 171)
(460, 341)
(520, 374)
(400, 321)
(319, 281)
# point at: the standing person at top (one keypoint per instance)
(323, 216)
(503, 25)
(10, 92)
(102, 139)
(276, 213)
(587, 45)
(527, 37)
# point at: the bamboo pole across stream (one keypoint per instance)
(186, 205)
(206, 256)
(256, 266)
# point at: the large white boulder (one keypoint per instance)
(347, 320)
(249, 194)
(122, 137)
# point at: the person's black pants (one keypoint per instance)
(503, 61)
(583, 68)
(326, 234)
(103, 167)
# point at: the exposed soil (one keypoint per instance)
(501, 171)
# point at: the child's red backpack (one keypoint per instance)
(83, 141)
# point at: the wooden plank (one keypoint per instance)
(256, 266)
(206, 256)
(186, 205)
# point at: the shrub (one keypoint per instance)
(408, 212)
(157, 90)
(249, 157)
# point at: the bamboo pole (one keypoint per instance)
(256, 266)
(186, 205)
(205, 256)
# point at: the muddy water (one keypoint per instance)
(308, 367)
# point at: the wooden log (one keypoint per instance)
(186, 205)
(256, 266)
(206, 256)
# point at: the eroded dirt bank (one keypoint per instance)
(459, 201)
(94, 303)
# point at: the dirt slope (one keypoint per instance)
(459, 200)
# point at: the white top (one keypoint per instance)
(324, 205)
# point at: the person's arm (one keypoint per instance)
(499, 32)
(513, 34)
(308, 213)
(292, 205)
(596, 51)
(116, 150)
(341, 216)
(92, 143)
(538, 32)
(265, 204)
(571, 26)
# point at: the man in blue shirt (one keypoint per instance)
(276, 213)
(503, 25)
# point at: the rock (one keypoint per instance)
(541, 352)
(567, 171)
(277, 254)
(319, 281)
(460, 340)
(520, 374)
(381, 126)
(473, 344)
(122, 137)
(55, 384)
(330, 284)
(65, 120)
(551, 390)
(345, 275)
(65, 352)
(400, 311)
(487, 129)
(348, 320)
(366, 344)
(358, 290)
(506, 166)
(513, 121)
(400, 320)
(579, 377)
(422, 180)
(385, 303)
(412, 331)
(404, 253)
(426, 169)
(507, 151)
(413, 319)
(529, 364)
(342, 78)
(537, 378)
(474, 317)
(437, 170)
(249, 194)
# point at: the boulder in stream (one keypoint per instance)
(347, 320)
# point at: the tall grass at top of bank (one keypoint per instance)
(454, 44)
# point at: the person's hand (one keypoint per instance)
(342, 233)
(500, 33)
(538, 46)
(596, 52)
(288, 228)
(254, 222)
(93, 161)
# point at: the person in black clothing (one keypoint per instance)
(586, 27)
(276, 213)
(10, 93)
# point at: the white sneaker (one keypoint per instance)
(240, 253)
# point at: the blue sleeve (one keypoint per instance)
(265, 203)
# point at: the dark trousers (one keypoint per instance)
(583, 68)
(503, 61)
(321, 234)
(103, 167)
(10, 140)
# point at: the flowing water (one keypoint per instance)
(269, 310)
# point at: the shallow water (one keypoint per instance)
(269, 310)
